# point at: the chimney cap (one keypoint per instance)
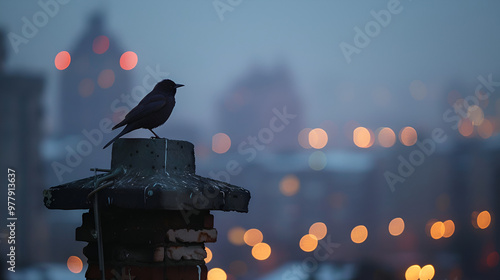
(159, 174)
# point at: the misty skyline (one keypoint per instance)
(435, 43)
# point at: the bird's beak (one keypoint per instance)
(178, 85)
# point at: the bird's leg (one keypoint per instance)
(156, 136)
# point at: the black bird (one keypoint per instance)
(153, 110)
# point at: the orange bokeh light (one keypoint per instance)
(427, 272)
(465, 127)
(304, 138)
(362, 137)
(483, 219)
(209, 255)
(475, 114)
(128, 60)
(437, 230)
(318, 138)
(413, 272)
(235, 236)
(289, 185)
(253, 236)
(396, 226)
(308, 243)
(221, 143)
(319, 230)
(408, 136)
(359, 234)
(216, 274)
(62, 60)
(386, 137)
(261, 251)
(74, 264)
(449, 228)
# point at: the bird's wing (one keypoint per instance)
(153, 104)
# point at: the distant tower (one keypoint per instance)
(91, 93)
(93, 83)
(93, 80)
(252, 102)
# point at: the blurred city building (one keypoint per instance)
(22, 118)
(445, 183)
(95, 92)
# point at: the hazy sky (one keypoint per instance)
(429, 41)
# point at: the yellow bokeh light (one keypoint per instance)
(483, 219)
(253, 236)
(386, 137)
(408, 136)
(74, 264)
(308, 243)
(304, 138)
(319, 230)
(396, 226)
(235, 236)
(427, 272)
(221, 143)
(437, 230)
(475, 114)
(359, 234)
(449, 228)
(216, 274)
(261, 251)
(289, 185)
(318, 138)
(413, 272)
(465, 127)
(362, 137)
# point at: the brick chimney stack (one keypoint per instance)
(153, 212)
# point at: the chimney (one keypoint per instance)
(150, 211)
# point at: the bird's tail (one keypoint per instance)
(124, 131)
